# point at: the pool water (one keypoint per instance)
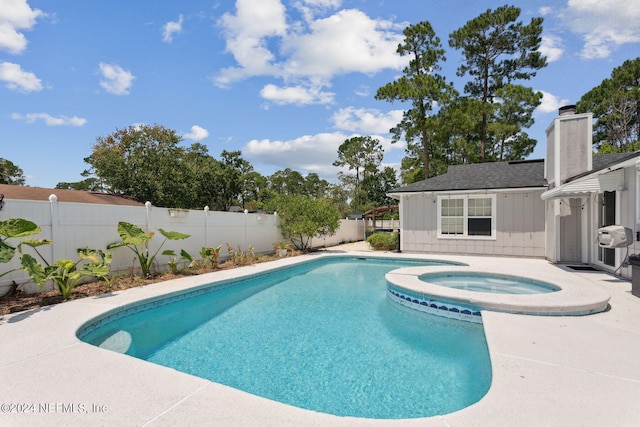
(322, 336)
(491, 283)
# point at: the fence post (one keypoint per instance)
(275, 221)
(206, 218)
(54, 217)
(148, 215)
(246, 213)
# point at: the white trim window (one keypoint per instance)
(469, 216)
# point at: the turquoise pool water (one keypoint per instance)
(321, 336)
(491, 283)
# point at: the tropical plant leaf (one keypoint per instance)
(89, 255)
(6, 252)
(116, 245)
(96, 270)
(169, 252)
(184, 254)
(173, 235)
(106, 257)
(18, 227)
(36, 242)
(74, 275)
(34, 269)
(65, 264)
(132, 234)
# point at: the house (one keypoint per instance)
(549, 208)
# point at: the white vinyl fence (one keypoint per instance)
(78, 225)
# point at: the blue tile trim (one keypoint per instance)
(431, 305)
(127, 310)
(467, 313)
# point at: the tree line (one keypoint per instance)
(148, 163)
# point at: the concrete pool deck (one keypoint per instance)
(547, 370)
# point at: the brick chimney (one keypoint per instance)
(569, 146)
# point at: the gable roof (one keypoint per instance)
(480, 176)
(19, 192)
(496, 175)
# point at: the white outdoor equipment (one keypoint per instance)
(614, 236)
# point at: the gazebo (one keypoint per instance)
(376, 213)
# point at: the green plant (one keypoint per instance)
(65, 273)
(14, 228)
(174, 261)
(302, 218)
(282, 247)
(283, 244)
(384, 241)
(137, 240)
(105, 258)
(241, 257)
(211, 254)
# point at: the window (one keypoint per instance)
(452, 216)
(466, 216)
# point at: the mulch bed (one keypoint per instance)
(20, 301)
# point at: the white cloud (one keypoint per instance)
(49, 120)
(305, 55)
(16, 16)
(309, 8)
(348, 41)
(197, 133)
(366, 121)
(298, 95)
(550, 103)
(362, 90)
(247, 33)
(604, 24)
(310, 153)
(545, 10)
(551, 47)
(17, 79)
(171, 28)
(115, 80)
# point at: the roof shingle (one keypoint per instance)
(494, 175)
(479, 176)
(19, 192)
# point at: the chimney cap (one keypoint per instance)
(567, 109)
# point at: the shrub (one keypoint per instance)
(302, 218)
(384, 241)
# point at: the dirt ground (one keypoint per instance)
(17, 301)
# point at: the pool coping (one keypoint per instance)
(572, 370)
(572, 298)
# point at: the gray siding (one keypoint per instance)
(520, 228)
(574, 151)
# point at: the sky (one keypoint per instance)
(285, 82)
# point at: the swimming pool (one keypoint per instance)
(321, 336)
(490, 283)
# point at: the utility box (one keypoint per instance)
(634, 260)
